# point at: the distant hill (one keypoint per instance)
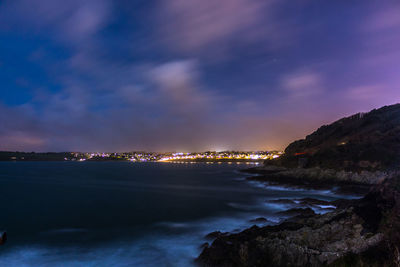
(364, 141)
(32, 156)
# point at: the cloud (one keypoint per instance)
(20, 141)
(169, 110)
(302, 84)
(178, 82)
(70, 21)
(87, 19)
(196, 26)
(383, 18)
(373, 95)
(19, 129)
(380, 32)
(366, 92)
(141, 77)
(379, 59)
(108, 103)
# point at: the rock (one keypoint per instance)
(204, 245)
(312, 201)
(215, 234)
(259, 220)
(3, 237)
(302, 162)
(361, 142)
(363, 149)
(364, 232)
(321, 240)
(343, 203)
(353, 154)
(346, 182)
(304, 212)
(319, 177)
(282, 201)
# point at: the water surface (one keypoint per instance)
(126, 214)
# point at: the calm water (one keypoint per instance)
(126, 214)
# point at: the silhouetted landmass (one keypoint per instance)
(360, 149)
(32, 156)
(364, 141)
(363, 149)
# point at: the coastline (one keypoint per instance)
(349, 233)
(296, 213)
(316, 178)
(359, 153)
(173, 239)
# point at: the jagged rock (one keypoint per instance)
(259, 220)
(282, 201)
(349, 235)
(204, 245)
(298, 211)
(321, 178)
(363, 149)
(361, 142)
(313, 201)
(215, 234)
(354, 154)
(343, 203)
(3, 237)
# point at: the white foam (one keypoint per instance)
(161, 249)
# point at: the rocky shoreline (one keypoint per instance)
(358, 154)
(352, 233)
(318, 175)
(357, 233)
(316, 178)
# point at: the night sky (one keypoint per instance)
(189, 75)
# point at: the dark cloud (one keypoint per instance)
(196, 25)
(189, 74)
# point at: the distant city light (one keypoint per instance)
(178, 156)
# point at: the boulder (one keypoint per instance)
(3, 237)
(215, 234)
(365, 232)
(259, 220)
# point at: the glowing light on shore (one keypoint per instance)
(224, 155)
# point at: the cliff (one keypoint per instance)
(361, 232)
(364, 141)
(360, 150)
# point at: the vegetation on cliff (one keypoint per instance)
(360, 149)
(364, 141)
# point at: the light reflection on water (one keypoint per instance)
(115, 214)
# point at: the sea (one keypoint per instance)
(130, 214)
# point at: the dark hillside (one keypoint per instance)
(364, 141)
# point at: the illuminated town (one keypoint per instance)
(209, 156)
(225, 155)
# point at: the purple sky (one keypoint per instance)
(185, 75)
